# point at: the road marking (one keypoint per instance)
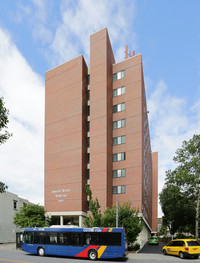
(15, 261)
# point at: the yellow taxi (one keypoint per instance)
(182, 248)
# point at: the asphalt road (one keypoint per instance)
(148, 254)
(152, 249)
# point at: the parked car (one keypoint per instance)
(182, 248)
(153, 240)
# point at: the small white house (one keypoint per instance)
(9, 205)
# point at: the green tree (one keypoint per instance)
(4, 134)
(30, 216)
(180, 196)
(128, 217)
(95, 216)
(163, 230)
(3, 187)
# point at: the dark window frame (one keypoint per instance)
(117, 191)
(122, 173)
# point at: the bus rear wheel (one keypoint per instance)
(92, 254)
(41, 252)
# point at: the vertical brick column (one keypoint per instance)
(101, 60)
(133, 131)
(154, 191)
(66, 137)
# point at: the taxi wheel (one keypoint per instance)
(164, 252)
(181, 255)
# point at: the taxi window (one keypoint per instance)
(176, 243)
(171, 244)
(193, 243)
(180, 243)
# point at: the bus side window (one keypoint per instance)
(94, 239)
(41, 237)
(63, 239)
(76, 239)
(53, 239)
(91, 239)
(30, 238)
(88, 239)
(110, 239)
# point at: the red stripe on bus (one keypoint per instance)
(84, 253)
(104, 230)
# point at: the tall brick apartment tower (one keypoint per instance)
(97, 132)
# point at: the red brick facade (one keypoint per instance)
(69, 159)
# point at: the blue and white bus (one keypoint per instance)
(92, 243)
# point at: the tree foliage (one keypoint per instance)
(128, 217)
(3, 187)
(95, 217)
(181, 193)
(4, 134)
(30, 216)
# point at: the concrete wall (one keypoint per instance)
(7, 228)
(145, 234)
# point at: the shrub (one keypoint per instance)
(134, 247)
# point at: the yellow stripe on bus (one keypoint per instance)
(110, 230)
(101, 250)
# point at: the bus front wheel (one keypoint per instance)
(92, 254)
(41, 251)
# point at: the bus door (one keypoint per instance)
(19, 240)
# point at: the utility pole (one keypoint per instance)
(197, 216)
(117, 213)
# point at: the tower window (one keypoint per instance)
(119, 75)
(117, 157)
(121, 189)
(119, 91)
(119, 124)
(119, 173)
(119, 140)
(119, 107)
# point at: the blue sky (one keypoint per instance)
(38, 35)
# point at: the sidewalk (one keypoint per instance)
(8, 246)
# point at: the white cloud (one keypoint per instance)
(172, 121)
(21, 157)
(84, 18)
(41, 9)
(67, 35)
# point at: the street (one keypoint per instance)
(148, 254)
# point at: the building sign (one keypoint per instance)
(61, 194)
